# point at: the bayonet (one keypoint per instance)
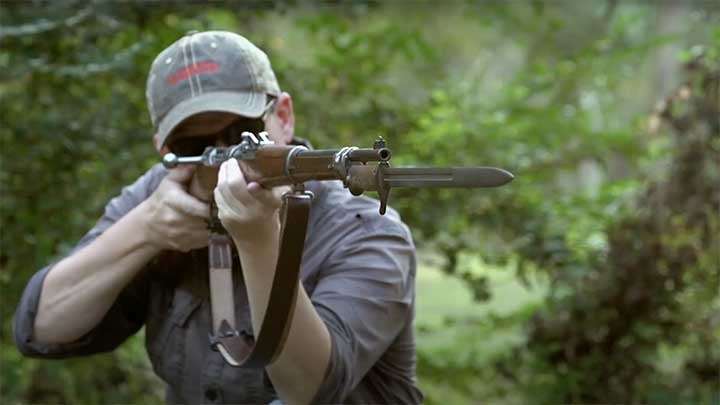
(450, 177)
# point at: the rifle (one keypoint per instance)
(272, 165)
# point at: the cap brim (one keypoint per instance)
(247, 104)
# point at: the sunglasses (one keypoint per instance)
(230, 135)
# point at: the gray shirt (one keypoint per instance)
(358, 268)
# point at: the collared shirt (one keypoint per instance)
(358, 269)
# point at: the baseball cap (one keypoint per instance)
(208, 71)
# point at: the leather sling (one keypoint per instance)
(241, 349)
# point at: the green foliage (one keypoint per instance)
(613, 225)
(620, 310)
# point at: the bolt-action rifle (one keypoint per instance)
(272, 165)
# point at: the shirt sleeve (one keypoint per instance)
(124, 318)
(364, 295)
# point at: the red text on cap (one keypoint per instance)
(203, 67)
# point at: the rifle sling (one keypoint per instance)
(241, 349)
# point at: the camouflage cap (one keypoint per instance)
(208, 71)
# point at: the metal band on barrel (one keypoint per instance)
(289, 159)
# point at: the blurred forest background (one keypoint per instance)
(593, 277)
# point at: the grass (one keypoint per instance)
(458, 338)
(440, 296)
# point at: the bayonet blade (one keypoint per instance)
(446, 177)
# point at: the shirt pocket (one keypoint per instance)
(166, 334)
